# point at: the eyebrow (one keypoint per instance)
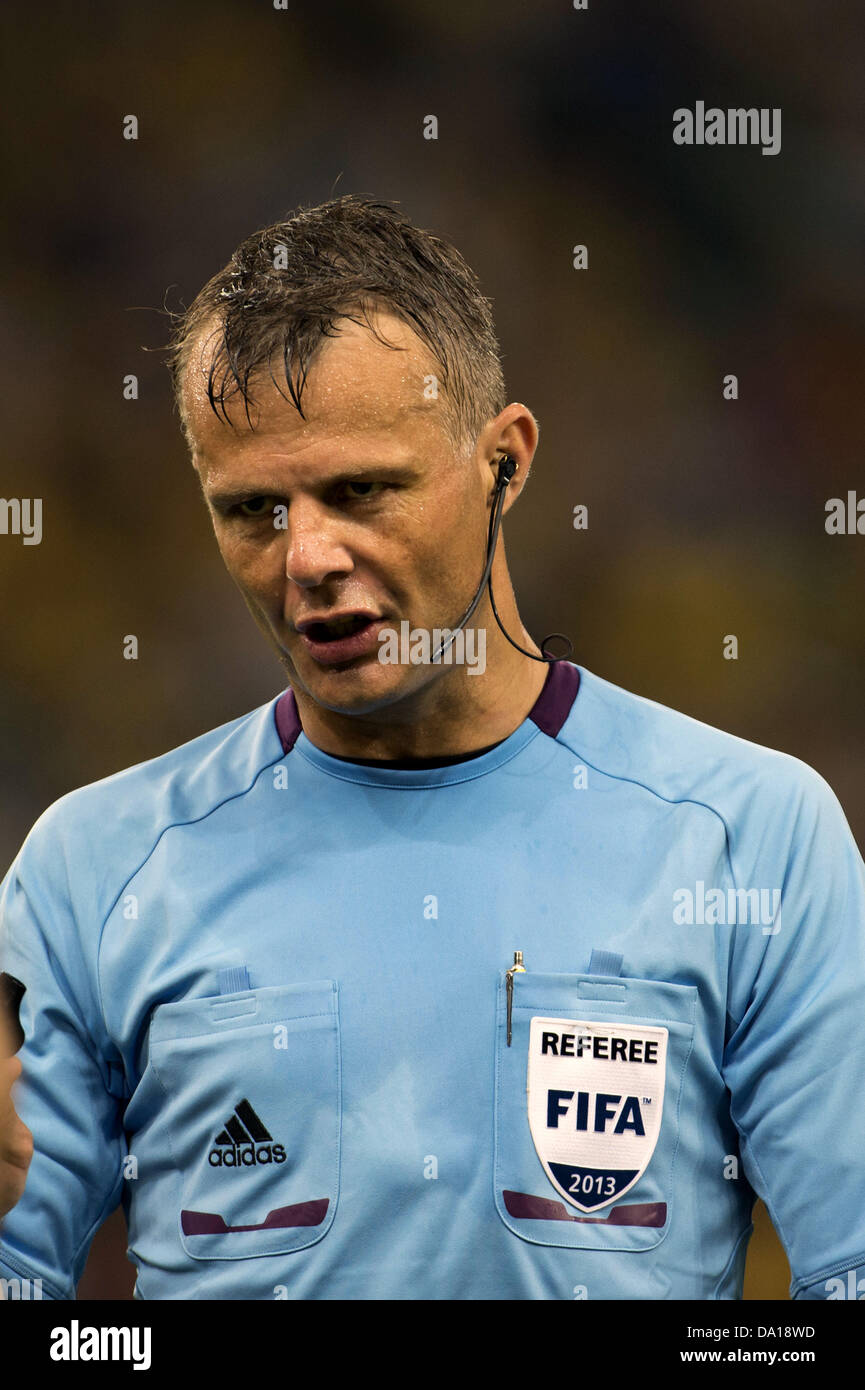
(225, 498)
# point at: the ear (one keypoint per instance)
(513, 433)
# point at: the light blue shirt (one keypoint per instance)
(266, 1007)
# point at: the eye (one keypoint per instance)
(256, 506)
(363, 494)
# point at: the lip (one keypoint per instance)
(332, 617)
(344, 648)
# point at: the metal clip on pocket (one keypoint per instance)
(516, 969)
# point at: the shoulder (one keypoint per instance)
(120, 816)
(680, 759)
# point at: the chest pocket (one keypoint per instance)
(587, 1107)
(252, 1112)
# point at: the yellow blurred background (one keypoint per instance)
(706, 515)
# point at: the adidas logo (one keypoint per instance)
(244, 1142)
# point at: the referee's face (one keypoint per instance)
(361, 509)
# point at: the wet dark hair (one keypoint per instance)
(286, 286)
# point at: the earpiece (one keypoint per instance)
(507, 469)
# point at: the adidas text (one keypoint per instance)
(246, 1155)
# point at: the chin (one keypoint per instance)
(357, 688)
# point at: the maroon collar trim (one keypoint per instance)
(549, 711)
(553, 705)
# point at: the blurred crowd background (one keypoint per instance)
(706, 516)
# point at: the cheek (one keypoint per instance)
(256, 568)
(440, 540)
(450, 548)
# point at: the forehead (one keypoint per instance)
(356, 385)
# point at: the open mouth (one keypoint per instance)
(340, 627)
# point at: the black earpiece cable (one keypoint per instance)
(507, 469)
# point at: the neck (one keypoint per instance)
(455, 712)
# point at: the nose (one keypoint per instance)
(314, 550)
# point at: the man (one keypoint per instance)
(424, 980)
